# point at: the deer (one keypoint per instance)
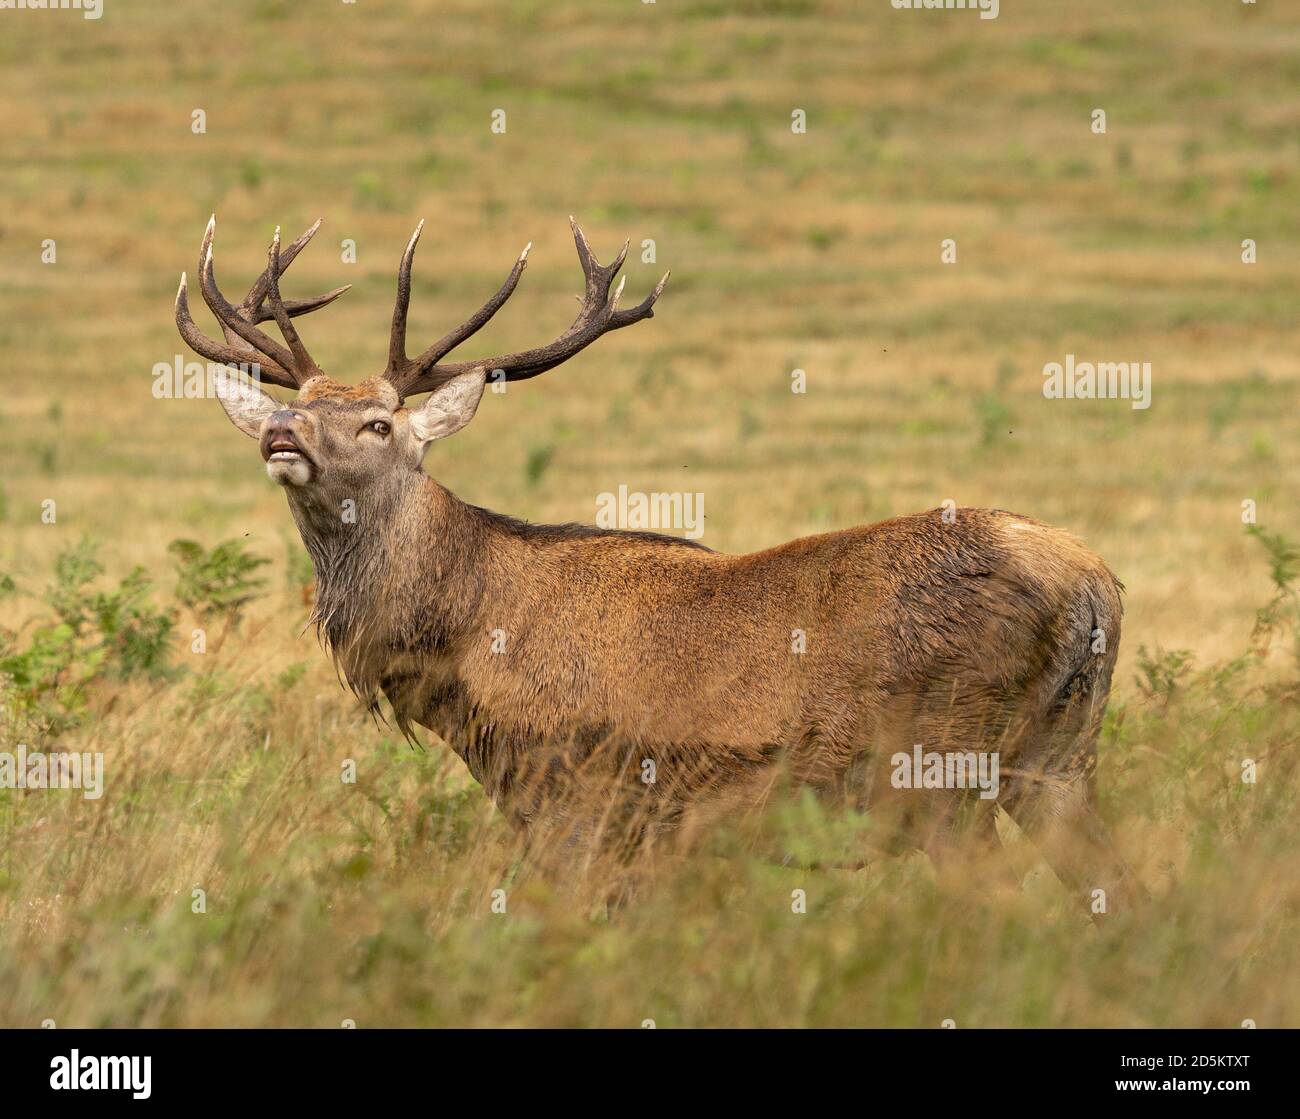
(552, 657)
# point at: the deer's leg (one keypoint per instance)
(1059, 818)
(954, 827)
(957, 829)
(1048, 780)
(1049, 792)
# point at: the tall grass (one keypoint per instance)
(232, 874)
(669, 122)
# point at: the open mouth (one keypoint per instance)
(284, 449)
(287, 464)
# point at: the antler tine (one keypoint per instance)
(256, 296)
(303, 364)
(598, 278)
(590, 265)
(403, 371)
(253, 309)
(229, 317)
(228, 354)
(397, 360)
(644, 309)
(599, 314)
(296, 307)
(287, 367)
(479, 319)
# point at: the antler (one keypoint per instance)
(599, 315)
(289, 368)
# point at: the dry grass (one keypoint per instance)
(820, 251)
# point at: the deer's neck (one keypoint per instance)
(399, 575)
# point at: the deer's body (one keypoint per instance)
(824, 655)
(556, 657)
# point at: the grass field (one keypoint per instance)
(817, 250)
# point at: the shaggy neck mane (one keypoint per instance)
(405, 577)
(401, 582)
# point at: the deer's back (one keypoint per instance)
(802, 646)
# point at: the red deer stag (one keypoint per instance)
(527, 648)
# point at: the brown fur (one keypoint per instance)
(562, 662)
(977, 634)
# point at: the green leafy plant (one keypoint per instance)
(1281, 614)
(1160, 673)
(93, 635)
(88, 637)
(218, 583)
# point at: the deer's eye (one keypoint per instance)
(379, 427)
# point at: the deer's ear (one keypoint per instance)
(448, 408)
(245, 403)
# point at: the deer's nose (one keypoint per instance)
(283, 433)
(281, 424)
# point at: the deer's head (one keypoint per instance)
(338, 439)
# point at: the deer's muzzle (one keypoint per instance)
(287, 461)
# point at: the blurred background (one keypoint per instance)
(821, 251)
(817, 250)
